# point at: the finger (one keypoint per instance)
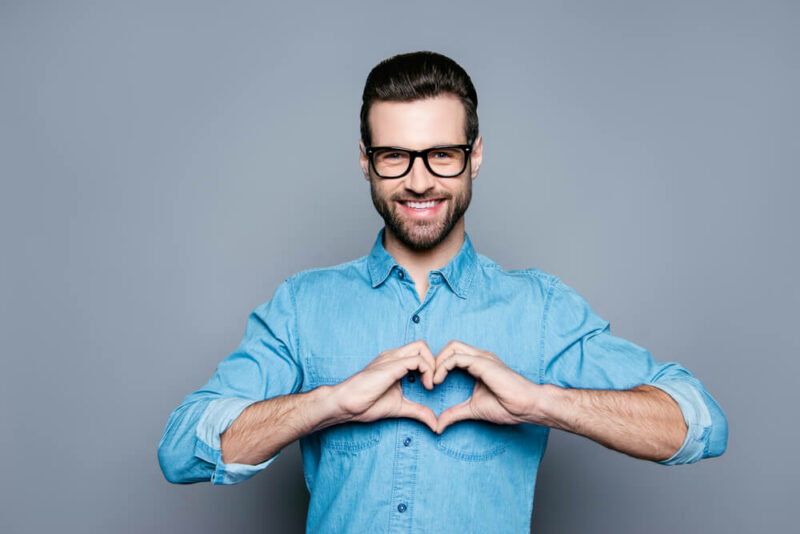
(419, 412)
(440, 372)
(453, 347)
(475, 365)
(457, 412)
(421, 348)
(426, 352)
(400, 367)
(444, 363)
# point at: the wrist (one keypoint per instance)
(326, 398)
(544, 404)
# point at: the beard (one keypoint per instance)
(421, 235)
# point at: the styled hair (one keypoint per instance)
(418, 75)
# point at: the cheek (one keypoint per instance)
(460, 190)
(381, 190)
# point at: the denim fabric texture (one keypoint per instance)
(395, 475)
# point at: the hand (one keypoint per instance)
(375, 392)
(500, 394)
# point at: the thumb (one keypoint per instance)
(417, 411)
(453, 414)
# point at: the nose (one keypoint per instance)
(419, 179)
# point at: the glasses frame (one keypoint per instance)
(414, 154)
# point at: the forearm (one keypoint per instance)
(644, 422)
(264, 428)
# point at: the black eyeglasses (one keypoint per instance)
(447, 161)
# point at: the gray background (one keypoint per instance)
(165, 165)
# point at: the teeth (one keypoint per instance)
(422, 205)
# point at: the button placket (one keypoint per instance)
(406, 454)
(404, 478)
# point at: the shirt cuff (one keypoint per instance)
(697, 418)
(217, 417)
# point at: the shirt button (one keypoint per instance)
(401, 275)
(411, 377)
(401, 507)
(415, 318)
(406, 441)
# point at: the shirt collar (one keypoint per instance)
(457, 273)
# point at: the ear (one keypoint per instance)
(476, 156)
(363, 161)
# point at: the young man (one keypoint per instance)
(422, 379)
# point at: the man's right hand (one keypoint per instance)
(375, 392)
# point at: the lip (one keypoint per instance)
(423, 214)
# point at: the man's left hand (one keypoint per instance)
(501, 395)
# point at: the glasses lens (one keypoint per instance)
(447, 161)
(390, 162)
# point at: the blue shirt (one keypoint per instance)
(395, 475)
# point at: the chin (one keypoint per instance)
(422, 240)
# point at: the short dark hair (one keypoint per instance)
(418, 75)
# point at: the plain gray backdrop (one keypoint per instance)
(165, 165)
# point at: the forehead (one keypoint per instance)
(418, 124)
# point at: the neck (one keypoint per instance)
(423, 261)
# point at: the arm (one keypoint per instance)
(264, 366)
(237, 423)
(373, 393)
(266, 427)
(643, 422)
(593, 384)
(580, 352)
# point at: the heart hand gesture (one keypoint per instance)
(501, 395)
(375, 392)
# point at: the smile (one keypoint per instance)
(421, 205)
(421, 209)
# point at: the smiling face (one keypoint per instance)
(420, 209)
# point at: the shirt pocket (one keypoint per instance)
(470, 440)
(349, 437)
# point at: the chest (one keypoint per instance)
(342, 331)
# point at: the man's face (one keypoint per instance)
(417, 125)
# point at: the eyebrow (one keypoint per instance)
(443, 143)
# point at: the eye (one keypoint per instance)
(441, 154)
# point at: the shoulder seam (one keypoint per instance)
(531, 272)
(545, 311)
(337, 266)
(295, 329)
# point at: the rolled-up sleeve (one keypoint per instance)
(265, 365)
(579, 351)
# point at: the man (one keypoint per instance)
(422, 379)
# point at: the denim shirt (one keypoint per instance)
(395, 475)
